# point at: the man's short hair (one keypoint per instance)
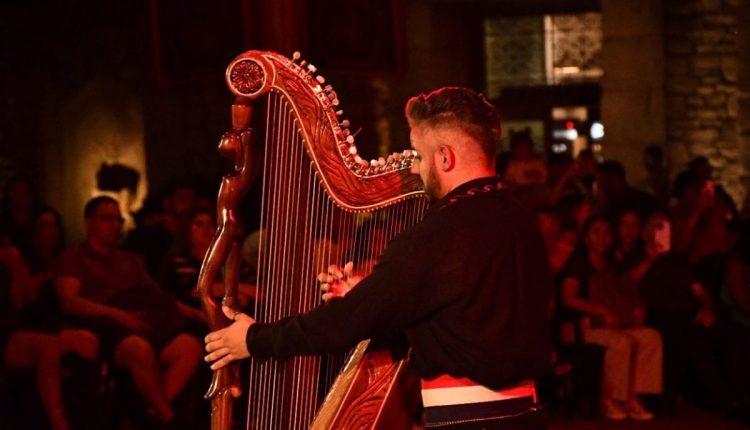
(94, 203)
(460, 107)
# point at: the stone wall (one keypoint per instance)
(744, 76)
(702, 88)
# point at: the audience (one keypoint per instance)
(684, 312)
(610, 314)
(159, 227)
(643, 287)
(182, 265)
(614, 194)
(33, 338)
(628, 245)
(140, 328)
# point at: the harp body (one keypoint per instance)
(322, 204)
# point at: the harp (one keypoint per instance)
(322, 204)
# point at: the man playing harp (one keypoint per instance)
(468, 286)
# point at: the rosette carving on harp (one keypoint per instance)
(247, 77)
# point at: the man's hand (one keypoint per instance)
(228, 344)
(131, 321)
(336, 282)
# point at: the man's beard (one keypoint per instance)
(432, 187)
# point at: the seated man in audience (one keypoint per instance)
(140, 327)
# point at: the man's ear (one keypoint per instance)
(445, 158)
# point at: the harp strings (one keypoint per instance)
(303, 232)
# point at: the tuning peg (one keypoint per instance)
(311, 68)
(327, 88)
(339, 113)
(350, 138)
(358, 159)
(353, 150)
(303, 63)
(320, 79)
(345, 123)
(296, 55)
(381, 161)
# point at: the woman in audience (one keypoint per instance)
(24, 349)
(42, 312)
(611, 316)
(44, 245)
(183, 264)
(628, 245)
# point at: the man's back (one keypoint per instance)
(469, 286)
(491, 284)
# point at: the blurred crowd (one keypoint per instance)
(106, 333)
(652, 300)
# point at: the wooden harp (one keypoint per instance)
(322, 204)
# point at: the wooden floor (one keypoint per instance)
(687, 418)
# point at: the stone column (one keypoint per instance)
(632, 87)
(702, 87)
(744, 77)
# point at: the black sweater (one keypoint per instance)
(469, 286)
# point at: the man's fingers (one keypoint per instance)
(244, 317)
(223, 362)
(327, 297)
(325, 287)
(219, 353)
(348, 268)
(228, 312)
(335, 271)
(213, 336)
(213, 346)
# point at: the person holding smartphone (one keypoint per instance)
(682, 309)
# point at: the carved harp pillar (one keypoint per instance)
(322, 204)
